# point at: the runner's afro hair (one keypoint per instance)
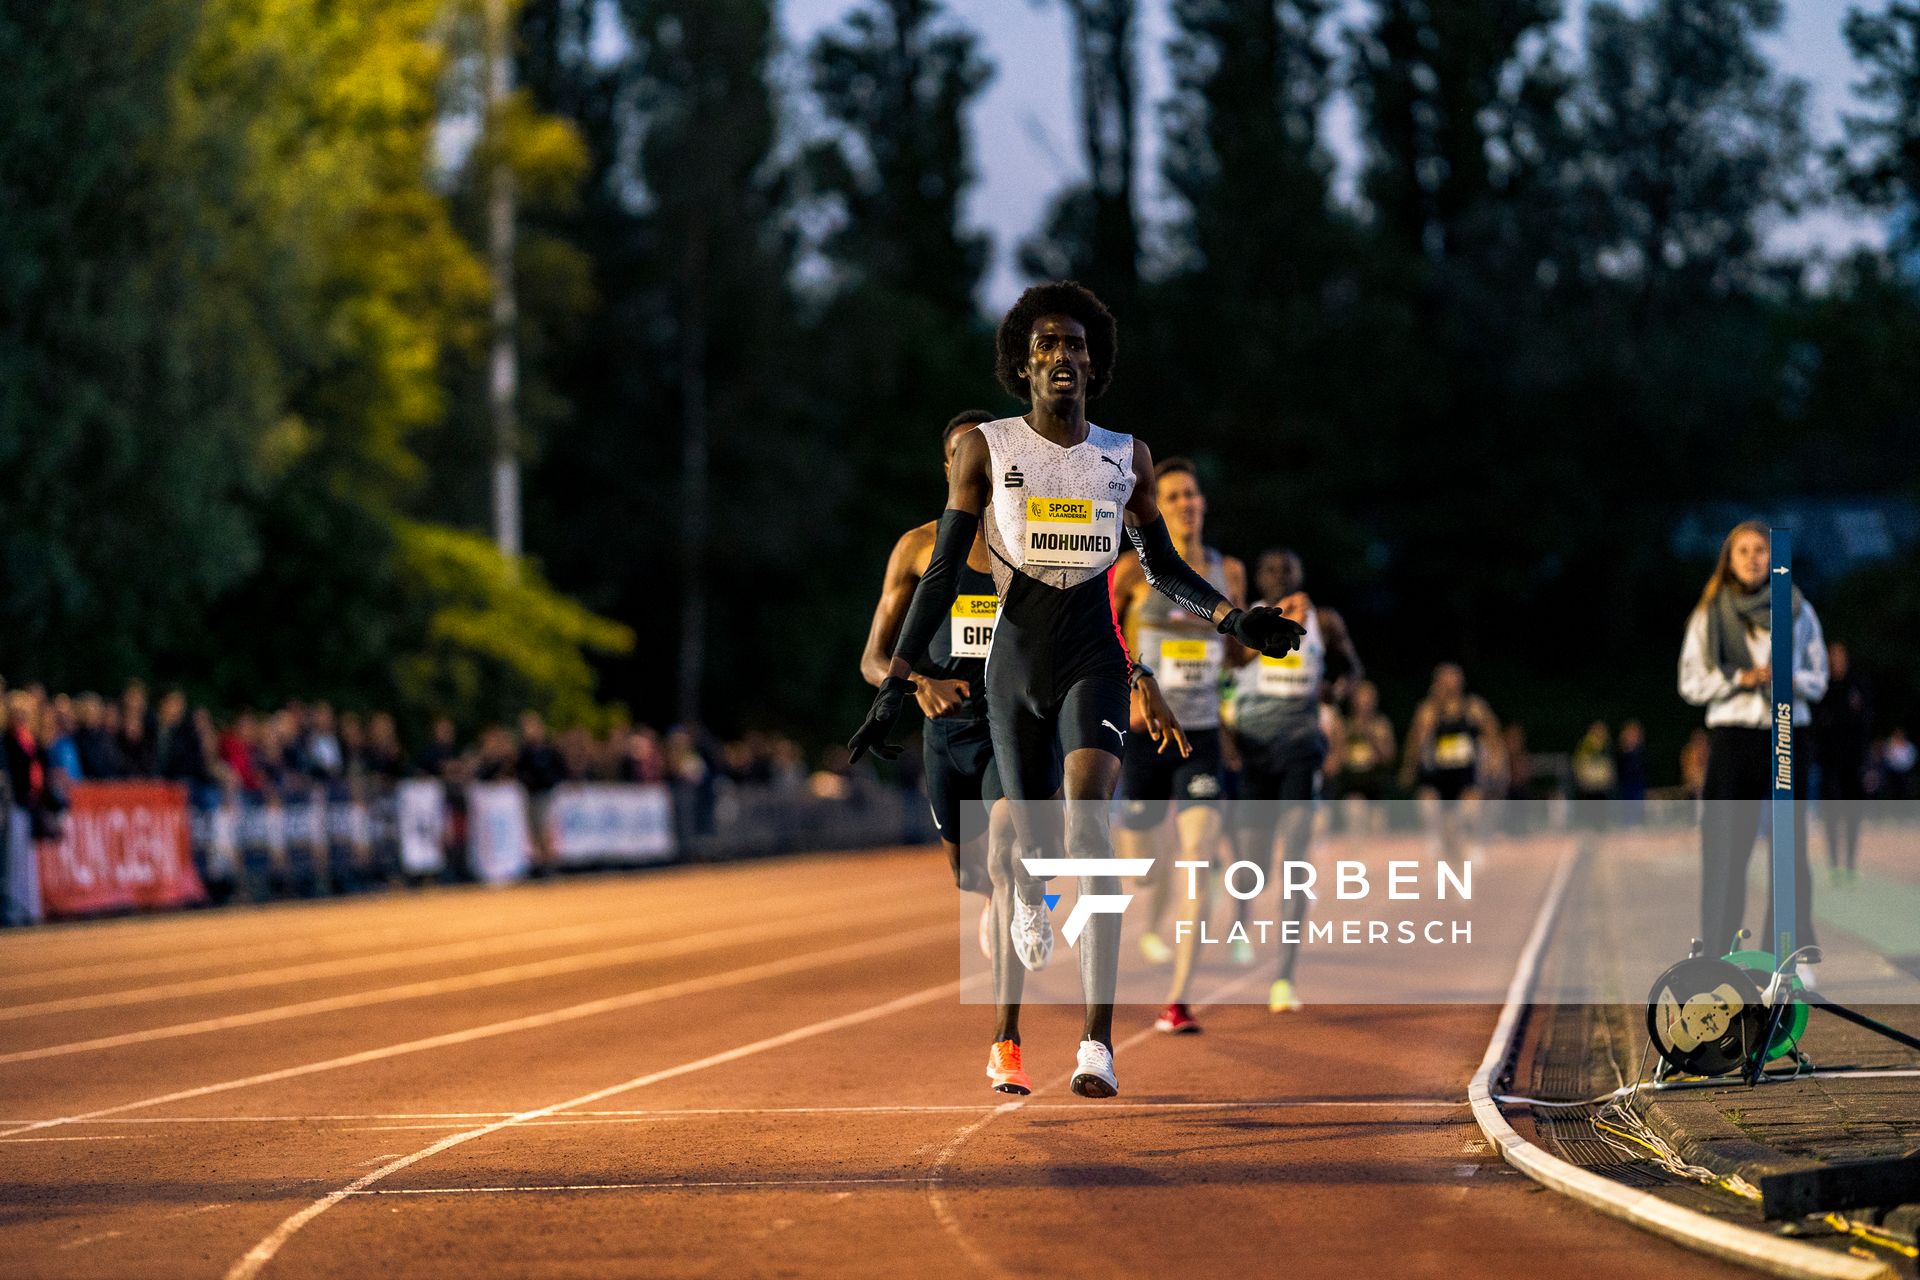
(1059, 298)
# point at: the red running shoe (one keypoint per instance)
(1175, 1020)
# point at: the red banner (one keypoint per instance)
(127, 844)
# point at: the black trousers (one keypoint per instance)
(1739, 782)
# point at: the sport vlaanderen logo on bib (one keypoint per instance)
(973, 619)
(1071, 533)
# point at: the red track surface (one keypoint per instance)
(756, 1069)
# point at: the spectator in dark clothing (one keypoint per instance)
(136, 732)
(94, 743)
(385, 760)
(180, 756)
(1630, 771)
(540, 766)
(1842, 739)
(441, 750)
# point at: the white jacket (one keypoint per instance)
(1703, 684)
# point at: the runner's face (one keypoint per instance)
(1182, 503)
(1058, 363)
(1750, 560)
(1278, 576)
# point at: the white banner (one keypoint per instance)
(423, 826)
(611, 822)
(498, 838)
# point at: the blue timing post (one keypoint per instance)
(1781, 622)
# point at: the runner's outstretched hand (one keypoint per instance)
(873, 733)
(1264, 630)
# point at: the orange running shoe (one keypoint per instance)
(1003, 1068)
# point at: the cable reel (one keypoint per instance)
(1707, 1017)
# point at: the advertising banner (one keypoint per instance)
(611, 822)
(501, 841)
(126, 844)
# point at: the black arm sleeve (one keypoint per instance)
(1168, 574)
(933, 598)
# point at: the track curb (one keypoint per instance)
(1726, 1240)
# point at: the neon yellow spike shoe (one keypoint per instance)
(1154, 949)
(1280, 997)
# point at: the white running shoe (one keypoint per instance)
(1032, 933)
(986, 930)
(1093, 1071)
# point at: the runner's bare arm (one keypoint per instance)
(1417, 734)
(904, 567)
(1129, 589)
(1343, 660)
(968, 485)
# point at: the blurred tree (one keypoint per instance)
(665, 481)
(1879, 163)
(137, 387)
(895, 81)
(1693, 141)
(282, 284)
(898, 344)
(1092, 231)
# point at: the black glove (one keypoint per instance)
(881, 717)
(1265, 630)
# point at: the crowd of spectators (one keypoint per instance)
(53, 740)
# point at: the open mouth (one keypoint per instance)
(1062, 378)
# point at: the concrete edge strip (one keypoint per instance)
(1643, 1209)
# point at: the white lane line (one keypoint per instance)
(160, 943)
(907, 1108)
(1717, 1237)
(936, 1174)
(530, 1022)
(95, 1137)
(525, 972)
(263, 1252)
(436, 953)
(579, 1119)
(637, 1186)
(84, 1241)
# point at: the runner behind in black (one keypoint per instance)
(1053, 486)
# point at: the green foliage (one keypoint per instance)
(498, 637)
(137, 394)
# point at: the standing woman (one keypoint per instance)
(1725, 666)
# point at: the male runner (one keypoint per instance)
(1283, 747)
(1453, 744)
(1188, 658)
(1053, 487)
(950, 686)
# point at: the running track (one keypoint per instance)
(743, 1070)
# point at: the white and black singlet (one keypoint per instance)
(1056, 670)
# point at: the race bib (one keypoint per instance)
(972, 623)
(1283, 677)
(1453, 751)
(1189, 664)
(1072, 533)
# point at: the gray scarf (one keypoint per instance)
(1731, 615)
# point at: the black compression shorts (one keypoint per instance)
(1152, 778)
(960, 777)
